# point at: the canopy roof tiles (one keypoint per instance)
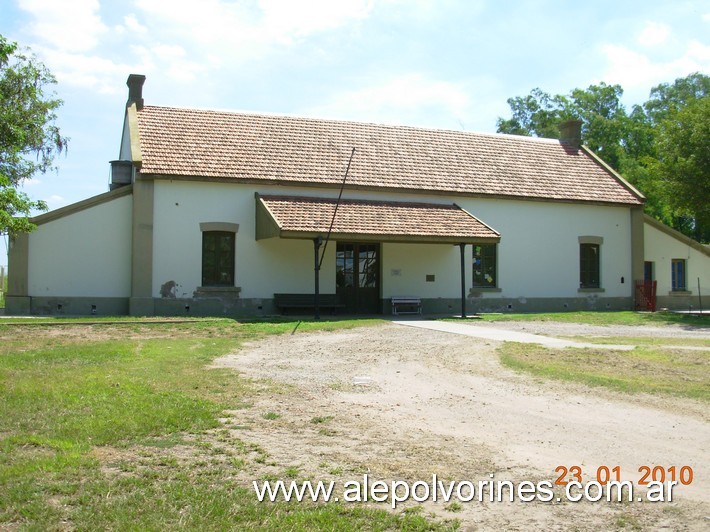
(385, 221)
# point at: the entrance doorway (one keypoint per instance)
(357, 276)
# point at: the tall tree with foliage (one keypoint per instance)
(598, 107)
(667, 98)
(29, 136)
(535, 115)
(683, 164)
(661, 169)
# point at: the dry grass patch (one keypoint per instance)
(651, 369)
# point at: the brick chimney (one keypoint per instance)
(135, 90)
(571, 133)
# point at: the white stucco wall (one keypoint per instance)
(262, 267)
(405, 268)
(83, 254)
(538, 255)
(661, 248)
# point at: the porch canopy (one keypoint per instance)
(365, 220)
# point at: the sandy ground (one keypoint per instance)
(561, 329)
(401, 403)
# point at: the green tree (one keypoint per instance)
(665, 166)
(666, 98)
(29, 137)
(683, 163)
(604, 119)
(535, 115)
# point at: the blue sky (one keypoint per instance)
(446, 63)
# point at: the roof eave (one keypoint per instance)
(628, 186)
(676, 234)
(82, 205)
(392, 239)
(400, 190)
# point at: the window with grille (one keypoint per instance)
(217, 258)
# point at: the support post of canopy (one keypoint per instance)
(463, 279)
(316, 249)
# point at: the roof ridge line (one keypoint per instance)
(265, 114)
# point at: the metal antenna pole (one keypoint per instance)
(319, 240)
(337, 204)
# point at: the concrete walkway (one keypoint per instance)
(501, 335)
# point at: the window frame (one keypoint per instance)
(590, 266)
(478, 281)
(674, 275)
(224, 260)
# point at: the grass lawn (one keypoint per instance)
(657, 341)
(605, 318)
(115, 426)
(653, 367)
(646, 369)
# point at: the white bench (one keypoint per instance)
(412, 303)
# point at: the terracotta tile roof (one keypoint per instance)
(380, 218)
(239, 146)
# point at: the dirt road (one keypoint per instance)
(403, 403)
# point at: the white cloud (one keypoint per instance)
(92, 72)
(215, 35)
(167, 52)
(428, 11)
(81, 50)
(250, 24)
(632, 69)
(55, 201)
(284, 19)
(699, 52)
(172, 61)
(74, 28)
(408, 97)
(131, 23)
(246, 31)
(177, 65)
(653, 34)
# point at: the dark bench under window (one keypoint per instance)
(289, 302)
